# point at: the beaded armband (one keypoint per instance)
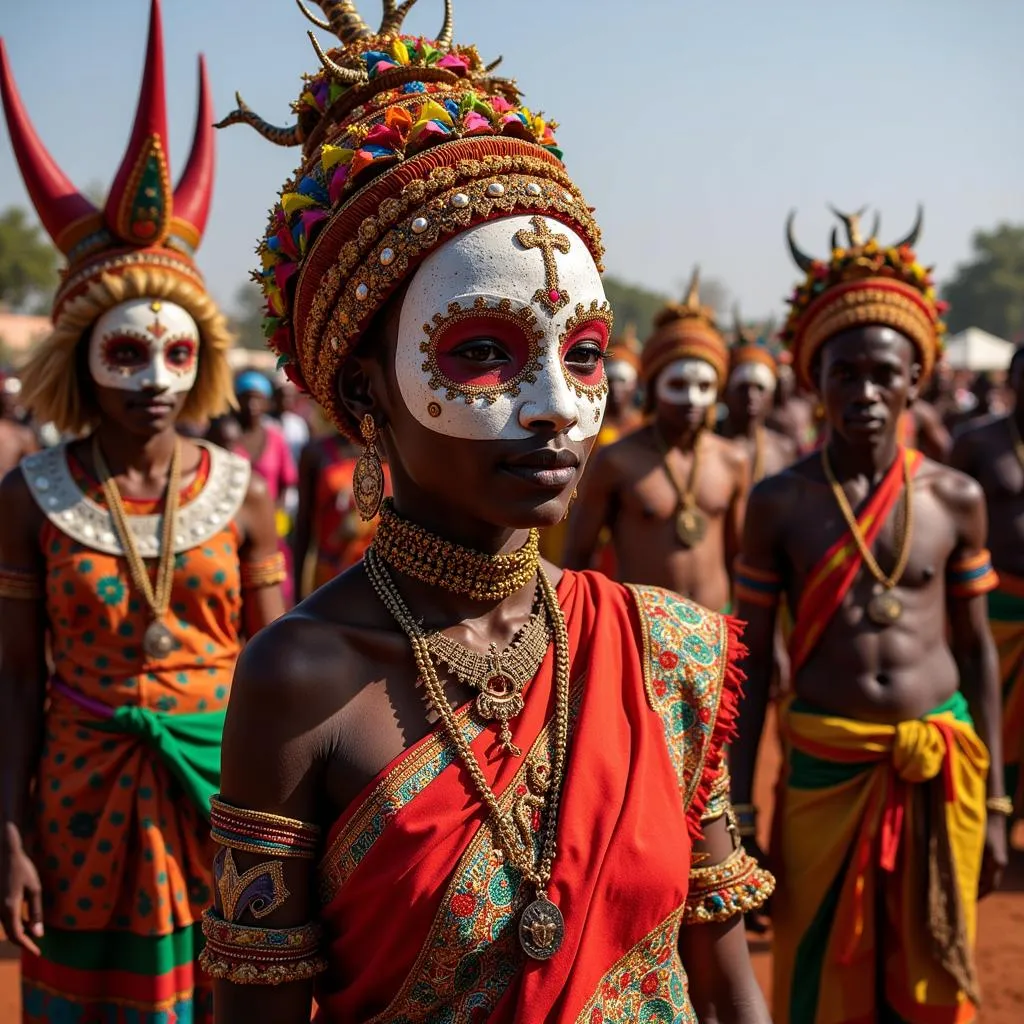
(735, 886)
(21, 585)
(266, 573)
(971, 576)
(718, 800)
(251, 955)
(259, 832)
(757, 586)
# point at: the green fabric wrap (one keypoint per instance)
(187, 745)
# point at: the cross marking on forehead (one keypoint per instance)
(552, 297)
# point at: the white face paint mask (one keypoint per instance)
(502, 328)
(145, 343)
(753, 373)
(618, 370)
(688, 382)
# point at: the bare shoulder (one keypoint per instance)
(730, 451)
(312, 660)
(785, 443)
(959, 492)
(619, 459)
(980, 436)
(784, 490)
(18, 508)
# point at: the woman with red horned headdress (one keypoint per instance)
(132, 561)
(459, 783)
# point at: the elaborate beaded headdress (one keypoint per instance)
(140, 245)
(750, 347)
(864, 282)
(685, 330)
(406, 142)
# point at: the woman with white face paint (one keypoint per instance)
(749, 397)
(454, 722)
(671, 494)
(132, 562)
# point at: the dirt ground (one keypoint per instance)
(1000, 951)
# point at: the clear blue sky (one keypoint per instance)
(692, 125)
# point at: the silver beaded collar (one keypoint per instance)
(76, 514)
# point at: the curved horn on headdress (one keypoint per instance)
(444, 38)
(876, 225)
(851, 221)
(692, 301)
(911, 239)
(319, 22)
(394, 15)
(833, 239)
(800, 258)
(292, 136)
(344, 20)
(195, 187)
(347, 76)
(143, 214)
(737, 323)
(494, 64)
(56, 200)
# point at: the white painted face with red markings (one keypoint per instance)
(145, 344)
(503, 330)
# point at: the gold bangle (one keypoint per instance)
(1000, 805)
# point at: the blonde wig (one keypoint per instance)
(51, 384)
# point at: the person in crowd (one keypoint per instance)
(455, 722)
(132, 564)
(673, 493)
(16, 438)
(891, 812)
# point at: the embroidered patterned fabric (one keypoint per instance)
(417, 834)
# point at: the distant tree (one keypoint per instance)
(247, 320)
(28, 262)
(632, 305)
(988, 291)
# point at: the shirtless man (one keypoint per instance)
(892, 813)
(791, 413)
(672, 493)
(16, 440)
(753, 378)
(993, 454)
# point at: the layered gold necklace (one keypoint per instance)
(757, 471)
(691, 523)
(499, 676)
(422, 555)
(885, 607)
(541, 925)
(157, 641)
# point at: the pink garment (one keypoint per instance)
(275, 463)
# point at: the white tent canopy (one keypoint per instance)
(977, 350)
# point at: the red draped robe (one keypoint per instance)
(420, 908)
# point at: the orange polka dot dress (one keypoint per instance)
(122, 849)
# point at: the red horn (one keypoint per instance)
(138, 208)
(56, 200)
(195, 187)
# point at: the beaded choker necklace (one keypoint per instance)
(422, 555)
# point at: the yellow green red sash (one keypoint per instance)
(833, 576)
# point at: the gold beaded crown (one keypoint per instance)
(406, 142)
(863, 282)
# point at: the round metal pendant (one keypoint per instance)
(541, 929)
(157, 641)
(884, 608)
(691, 526)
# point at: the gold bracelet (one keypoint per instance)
(1000, 805)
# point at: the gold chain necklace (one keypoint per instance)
(498, 676)
(424, 556)
(157, 641)
(884, 608)
(541, 926)
(691, 523)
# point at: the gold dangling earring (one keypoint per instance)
(368, 477)
(572, 501)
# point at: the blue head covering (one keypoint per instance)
(253, 380)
